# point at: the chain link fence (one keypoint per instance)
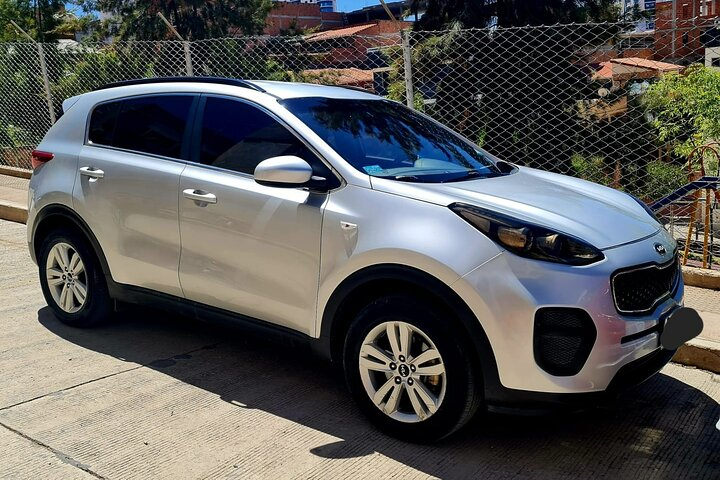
(564, 98)
(36, 78)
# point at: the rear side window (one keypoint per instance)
(237, 136)
(149, 124)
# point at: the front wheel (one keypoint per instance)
(404, 364)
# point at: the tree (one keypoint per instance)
(685, 108)
(512, 90)
(193, 19)
(441, 14)
(37, 17)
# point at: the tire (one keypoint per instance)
(63, 288)
(456, 392)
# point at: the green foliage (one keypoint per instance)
(661, 178)
(686, 108)
(234, 58)
(193, 19)
(37, 17)
(441, 14)
(396, 79)
(21, 85)
(90, 68)
(591, 169)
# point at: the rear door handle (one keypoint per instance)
(92, 172)
(199, 196)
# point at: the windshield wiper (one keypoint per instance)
(406, 178)
(401, 177)
(473, 174)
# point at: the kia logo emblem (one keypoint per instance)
(660, 249)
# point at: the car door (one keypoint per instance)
(126, 186)
(248, 248)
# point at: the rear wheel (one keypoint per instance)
(72, 281)
(406, 369)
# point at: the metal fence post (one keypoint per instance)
(46, 83)
(188, 59)
(407, 60)
(43, 71)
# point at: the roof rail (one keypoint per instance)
(219, 80)
(349, 87)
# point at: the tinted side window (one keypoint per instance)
(237, 136)
(153, 125)
(102, 123)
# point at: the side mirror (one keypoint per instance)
(286, 171)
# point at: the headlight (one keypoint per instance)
(527, 240)
(645, 207)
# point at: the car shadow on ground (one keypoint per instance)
(663, 428)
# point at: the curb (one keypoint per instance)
(15, 172)
(698, 277)
(699, 353)
(13, 212)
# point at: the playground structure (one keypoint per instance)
(703, 188)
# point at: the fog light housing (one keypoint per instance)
(563, 339)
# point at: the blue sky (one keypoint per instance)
(350, 5)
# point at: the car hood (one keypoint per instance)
(599, 215)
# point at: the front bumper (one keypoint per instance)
(631, 374)
(506, 293)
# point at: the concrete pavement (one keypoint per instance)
(703, 351)
(157, 396)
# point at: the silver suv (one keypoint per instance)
(442, 279)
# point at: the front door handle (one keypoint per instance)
(199, 196)
(92, 172)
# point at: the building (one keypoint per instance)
(685, 28)
(325, 5)
(646, 7)
(297, 16)
(349, 46)
(377, 12)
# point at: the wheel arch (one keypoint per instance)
(362, 286)
(55, 216)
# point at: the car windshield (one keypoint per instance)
(384, 139)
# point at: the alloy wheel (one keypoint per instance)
(66, 277)
(402, 371)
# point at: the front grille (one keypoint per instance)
(563, 340)
(637, 291)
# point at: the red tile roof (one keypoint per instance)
(649, 64)
(339, 32)
(340, 76)
(623, 66)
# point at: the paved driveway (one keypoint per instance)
(157, 396)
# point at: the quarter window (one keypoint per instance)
(102, 123)
(237, 136)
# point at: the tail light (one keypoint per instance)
(38, 158)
